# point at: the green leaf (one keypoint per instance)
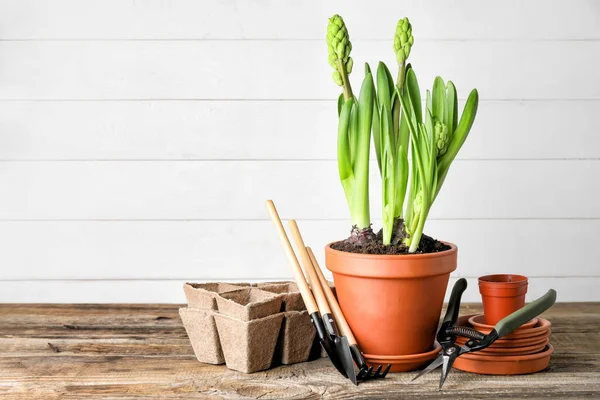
(384, 87)
(438, 103)
(353, 131)
(340, 103)
(451, 107)
(343, 144)
(459, 137)
(401, 181)
(377, 134)
(428, 102)
(360, 197)
(388, 176)
(412, 87)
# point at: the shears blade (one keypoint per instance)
(446, 367)
(433, 365)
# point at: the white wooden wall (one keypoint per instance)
(139, 140)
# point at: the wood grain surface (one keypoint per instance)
(142, 352)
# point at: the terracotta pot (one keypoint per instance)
(392, 302)
(517, 351)
(502, 295)
(539, 333)
(542, 327)
(512, 343)
(478, 323)
(504, 365)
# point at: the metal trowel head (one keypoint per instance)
(342, 349)
(331, 349)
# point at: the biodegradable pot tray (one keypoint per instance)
(248, 303)
(295, 338)
(202, 332)
(202, 295)
(248, 346)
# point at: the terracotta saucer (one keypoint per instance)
(504, 365)
(504, 351)
(478, 321)
(535, 340)
(542, 327)
(410, 362)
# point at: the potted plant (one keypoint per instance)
(391, 284)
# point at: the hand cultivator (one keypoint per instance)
(339, 343)
(449, 332)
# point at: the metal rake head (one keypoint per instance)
(366, 373)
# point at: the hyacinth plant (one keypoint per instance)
(394, 113)
(354, 129)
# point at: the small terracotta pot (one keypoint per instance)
(392, 302)
(504, 365)
(542, 328)
(512, 343)
(517, 351)
(477, 322)
(501, 295)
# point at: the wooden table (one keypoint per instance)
(142, 351)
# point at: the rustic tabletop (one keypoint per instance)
(142, 351)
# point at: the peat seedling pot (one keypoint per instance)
(248, 346)
(292, 300)
(202, 295)
(501, 295)
(296, 338)
(202, 332)
(249, 303)
(297, 331)
(392, 302)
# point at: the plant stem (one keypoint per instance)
(347, 89)
(401, 73)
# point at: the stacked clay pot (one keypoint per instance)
(525, 350)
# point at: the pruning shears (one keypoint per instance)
(448, 331)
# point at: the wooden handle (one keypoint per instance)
(313, 279)
(307, 296)
(333, 304)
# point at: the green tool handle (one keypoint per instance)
(531, 310)
(454, 302)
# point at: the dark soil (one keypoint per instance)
(376, 246)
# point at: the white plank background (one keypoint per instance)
(138, 140)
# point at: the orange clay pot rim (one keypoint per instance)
(547, 351)
(406, 357)
(425, 256)
(513, 342)
(508, 350)
(475, 322)
(540, 328)
(485, 280)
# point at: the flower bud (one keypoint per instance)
(349, 65)
(337, 78)
(441, 136)
(403, 40)
(338, 48)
